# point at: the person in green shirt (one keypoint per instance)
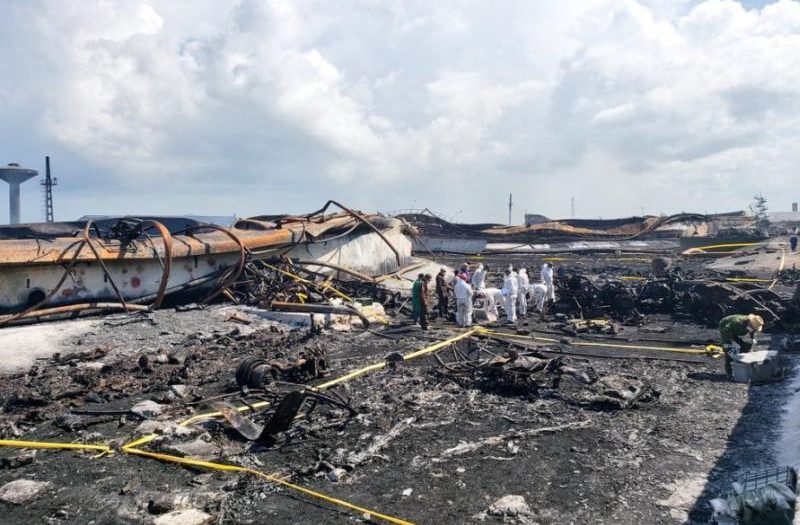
(732, 330)
(416, 298)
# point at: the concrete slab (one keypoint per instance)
(21, 346)
(763, 262)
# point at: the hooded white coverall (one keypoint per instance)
(493, 297)
(479, 279)
(463, 293)
(510, 291)
(547, 280)
(524, 288)
(538, 293)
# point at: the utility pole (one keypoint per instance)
(510, 204)
(47, 186)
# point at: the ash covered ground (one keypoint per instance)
(433, 440)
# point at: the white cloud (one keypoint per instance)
(280, 104)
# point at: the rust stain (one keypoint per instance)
(136, 282)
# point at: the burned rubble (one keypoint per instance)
(605, 409)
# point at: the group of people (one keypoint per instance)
(470, 288)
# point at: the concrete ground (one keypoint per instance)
(21, 346)
(762, 261)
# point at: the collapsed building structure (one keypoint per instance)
(286, 364)
(649, 233)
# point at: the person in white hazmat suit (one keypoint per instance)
(547, 280)
(524, 287)
(493, 297)
(479, 278)
(510, 291)
(538, 293)
(463, 293)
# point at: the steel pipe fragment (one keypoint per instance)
(319, 309)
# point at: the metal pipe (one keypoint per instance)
(363, 219)
(343, 269)
(318, 309)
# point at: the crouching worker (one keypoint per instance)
(732, 330)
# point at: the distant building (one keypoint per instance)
(534, 218)
(784, 219)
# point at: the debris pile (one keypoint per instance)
(409, 426)
(703, 300)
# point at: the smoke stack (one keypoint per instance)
(794, 206)
(15, 175)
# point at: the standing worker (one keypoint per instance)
(416, 298)
(463, 292)
(793, 239)
(464, 272)
(479, 278)
(524, 286)
(441, 293)
(424, 305)
(510, 291)
(547, 280)
(732, 329)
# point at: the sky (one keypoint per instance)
(251, 107)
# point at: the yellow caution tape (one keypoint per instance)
(274, 479)
(132, 447)
(723, 246)
(52, 445)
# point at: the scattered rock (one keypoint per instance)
(144, 363)
(22, 490)
(406, 493)
(196, 449)
(183, 517)
(147, 409)
(510, 506)
(242, 332)
(163, 503)
(177, 357)
(93, 366)
(173, 430)
(21, 460)
(70, 422)
(336, 474)
(179, 390)
(130, 486)
(201, 479)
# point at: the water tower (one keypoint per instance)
(15, 175)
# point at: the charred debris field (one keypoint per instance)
(525, 424)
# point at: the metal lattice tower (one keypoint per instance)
(47, 187)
